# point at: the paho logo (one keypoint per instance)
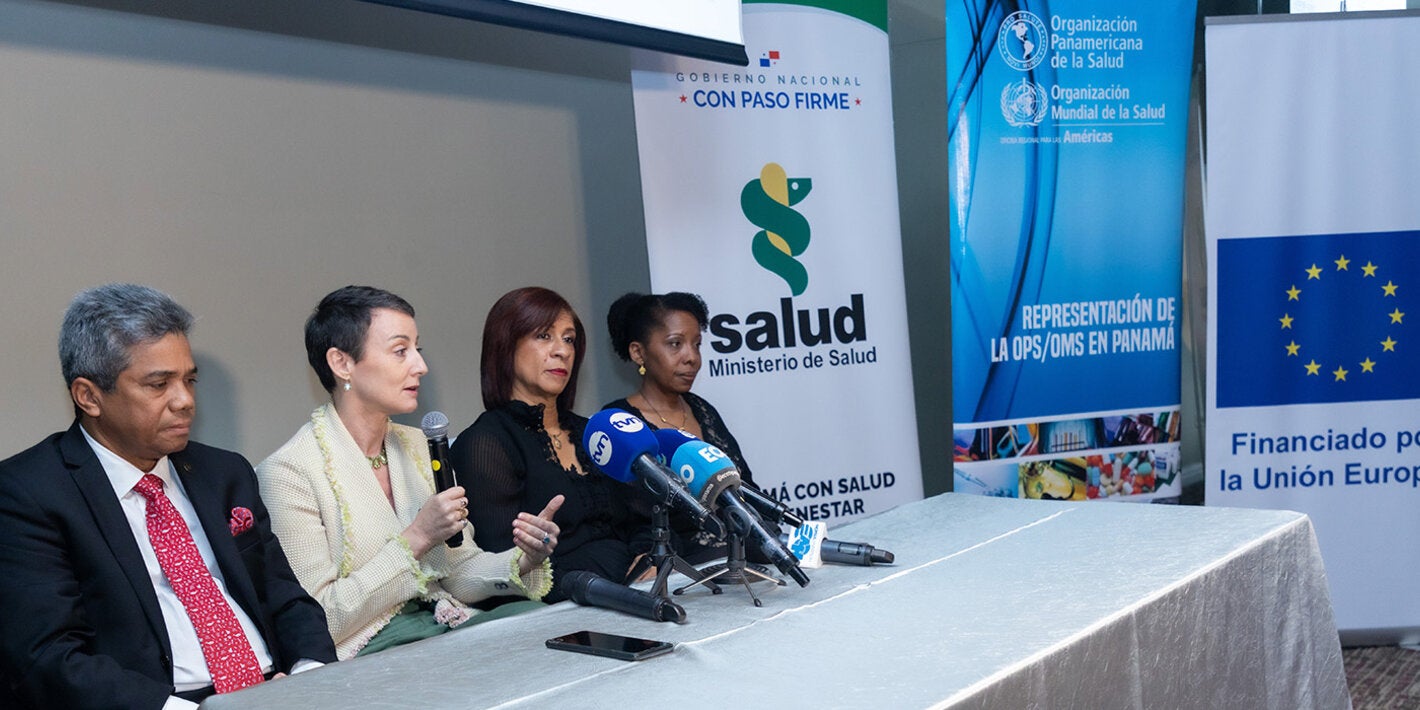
(784, 233)
(1022, 40)
(600, 448)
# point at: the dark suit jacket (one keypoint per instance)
(79, 620)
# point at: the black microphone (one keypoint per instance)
(436, 429)
(843, 553)
(854, 553)
(849, 553)
(714, 479)
(771, 509)
(592, 589)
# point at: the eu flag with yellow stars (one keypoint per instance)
(1318, 318)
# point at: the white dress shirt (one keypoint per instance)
(189, 666)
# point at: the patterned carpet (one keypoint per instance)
(1383, 677)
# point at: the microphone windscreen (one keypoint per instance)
(706, 470)
(435, 425)
(614, 438)
(670, 440)
(577, 583)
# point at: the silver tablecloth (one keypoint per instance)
(992, 603)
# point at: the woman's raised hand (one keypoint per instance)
(536, 535)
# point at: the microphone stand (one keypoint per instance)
(735, 569)
(664, 559)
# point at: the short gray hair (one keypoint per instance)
(104, 322)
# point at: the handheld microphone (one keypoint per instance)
(849, 553)
(592, 589)
(854, 553)
(623, 447)
(714, 480)
(436, 430)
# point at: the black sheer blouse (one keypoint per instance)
(506, 462)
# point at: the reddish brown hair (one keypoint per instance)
(518, 314)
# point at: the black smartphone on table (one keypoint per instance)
(626, 648)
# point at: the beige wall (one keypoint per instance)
(248, 173)
(249, 157)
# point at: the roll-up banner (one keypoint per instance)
(1066, 128)
(1313, 223)
(771, 191)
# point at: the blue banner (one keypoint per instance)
(1066, 126)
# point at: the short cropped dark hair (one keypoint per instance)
(341, 320)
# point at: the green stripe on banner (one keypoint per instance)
(873, 13)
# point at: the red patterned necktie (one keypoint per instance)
(229, 657)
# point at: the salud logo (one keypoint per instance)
(784, 233)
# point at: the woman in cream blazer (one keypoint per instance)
(353, 501)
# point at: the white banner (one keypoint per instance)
(771, 191)
(1314, 293)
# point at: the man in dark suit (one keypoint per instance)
(95, 609)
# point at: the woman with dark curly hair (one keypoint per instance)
(660, 333)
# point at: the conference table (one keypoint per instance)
(991, 603)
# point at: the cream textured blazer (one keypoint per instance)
(343, 539)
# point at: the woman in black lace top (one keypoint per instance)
(661, 334)
(527, 446)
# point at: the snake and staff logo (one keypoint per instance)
(783, 236)
(784, 233)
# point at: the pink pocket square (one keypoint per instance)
(240, 522)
